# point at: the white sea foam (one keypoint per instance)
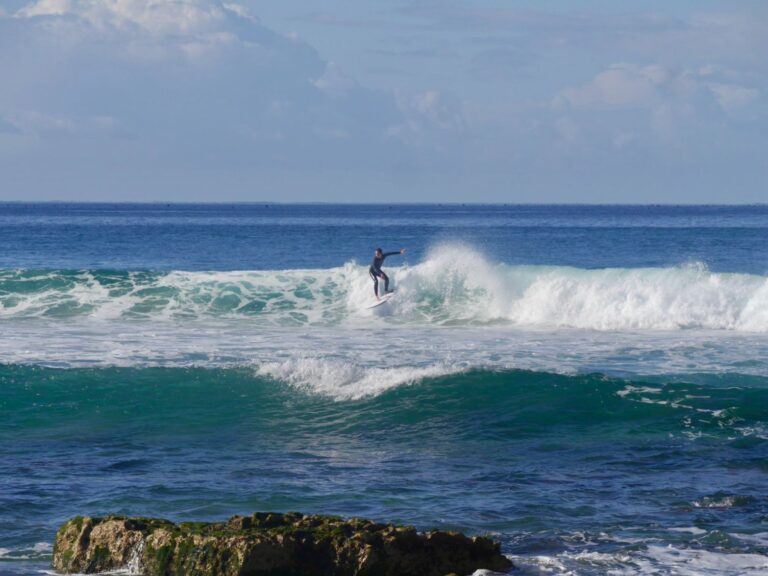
(718, 501)
(353, 361)
(760, 539)
(37, 551)
(471, 289)
(689, 530)
(454, 285)
(346, 381)
(654, 560)
(693, 562)
(631, 389)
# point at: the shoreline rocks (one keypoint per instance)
(268, 544)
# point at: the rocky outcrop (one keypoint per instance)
(266, 544)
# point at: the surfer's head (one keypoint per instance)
(378, 252)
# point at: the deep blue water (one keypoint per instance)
(588, 384)
(282, 236)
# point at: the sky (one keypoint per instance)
(384, 101)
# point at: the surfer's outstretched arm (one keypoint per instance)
(401, 251)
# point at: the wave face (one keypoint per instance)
(502, 404)
(454, 286)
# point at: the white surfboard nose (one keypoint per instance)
(384, 299)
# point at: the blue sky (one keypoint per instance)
(360, 101)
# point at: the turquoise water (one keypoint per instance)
(587, 384)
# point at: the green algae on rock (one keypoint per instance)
(268, 544)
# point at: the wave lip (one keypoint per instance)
(454, 286)
(457, 285)
(345, 381)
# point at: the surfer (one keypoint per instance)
(376, 271)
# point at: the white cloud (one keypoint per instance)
(659, 89)
(426, 112)
(430, 104)
(36, 124)
(629, 107)
(333, 81)
(241, 11)
(148, 29)
(732, 97)
(171, 88)
(426, 118)
(45, 8)
(152, 16)
(622, 86)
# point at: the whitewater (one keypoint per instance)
(453, 312)
(455, 285)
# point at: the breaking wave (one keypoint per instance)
(455, 285)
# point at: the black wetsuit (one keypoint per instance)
(376, 272)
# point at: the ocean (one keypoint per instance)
(586, 384)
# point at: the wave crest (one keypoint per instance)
(455, 285)
(346, 381)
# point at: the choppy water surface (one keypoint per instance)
(587, 384)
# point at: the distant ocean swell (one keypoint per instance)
(503, 404)
(454, 286)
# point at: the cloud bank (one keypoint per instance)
(121, 92)
(200, 100)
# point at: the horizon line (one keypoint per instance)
(401, 203)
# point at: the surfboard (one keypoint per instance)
(384, 299)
